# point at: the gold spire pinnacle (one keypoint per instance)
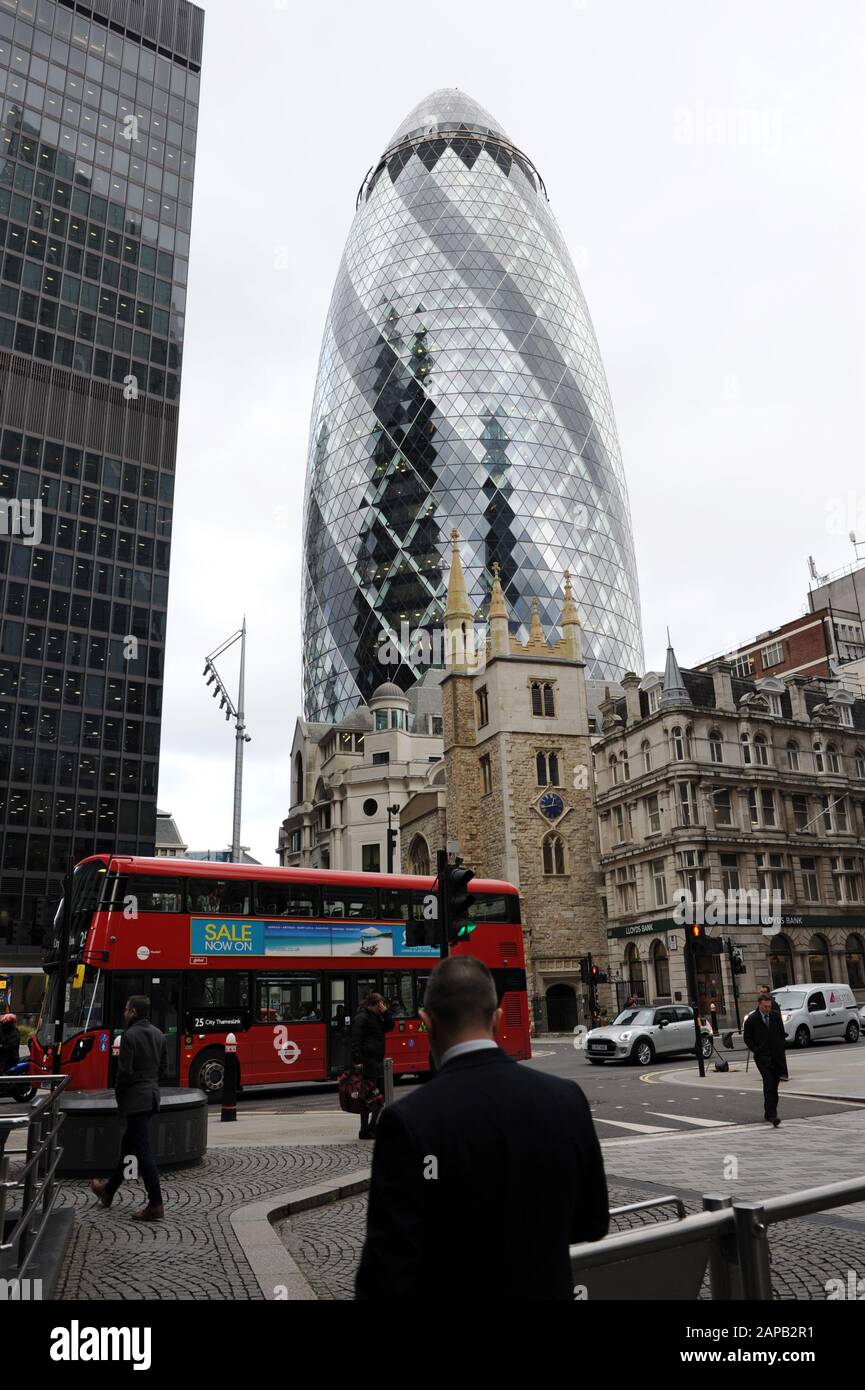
(497, 598)
(457, 609)
(536, 632)
(569, 607)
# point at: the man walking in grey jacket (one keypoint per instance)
(143, 1061)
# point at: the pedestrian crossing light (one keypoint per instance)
(696, 932)
(458, 900)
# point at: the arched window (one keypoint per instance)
(832, 758)
(746, 749)
(716, 747)
(634, 973)
(419, 855)
(614, 769)
(855, 962)
(781, 963)
(818, 756)
(818, 960)
(677, 741)
(554, 855)
(793, 755)
(547, 765)
(645, 749)
(860, 762)
(661, 965)
(543, 702)
(298, 779)
(761, 751)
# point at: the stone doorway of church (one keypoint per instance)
(561, 1008)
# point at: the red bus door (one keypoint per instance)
(345, 996)
(163, 990)
(338, 1015)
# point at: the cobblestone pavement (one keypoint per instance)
(326, 1243)
(194, 1252)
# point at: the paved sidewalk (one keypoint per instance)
(194, 1253)
(832, 1072)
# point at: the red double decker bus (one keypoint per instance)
(280, 957)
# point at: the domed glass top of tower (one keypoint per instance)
(460, 385)
(446, 109)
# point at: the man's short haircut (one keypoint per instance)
(461, 993)
(372, 999)
(140, 1003)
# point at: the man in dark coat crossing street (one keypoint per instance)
(143, 1062)
(764, 1036)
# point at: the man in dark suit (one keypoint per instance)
(764, 1036)
(483, 1178)
(143, 1061)
(776, 1009)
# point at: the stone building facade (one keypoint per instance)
(346, 775)
(715, 785)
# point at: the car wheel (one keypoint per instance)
(706, 1045)
(642, 1052)
(803, 1036)
(852, 1034)
(207, 1074)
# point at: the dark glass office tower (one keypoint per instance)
(99, 117)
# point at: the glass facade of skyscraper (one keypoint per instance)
(460, 384)
(97, 153)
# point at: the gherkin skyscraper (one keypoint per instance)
(460, 385)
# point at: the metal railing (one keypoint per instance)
(669, 1260)
(28, 1170)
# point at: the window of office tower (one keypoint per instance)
(97, 152)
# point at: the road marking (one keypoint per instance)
(692, 1120)
(638, 1129)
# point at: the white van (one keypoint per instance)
(811, 1013)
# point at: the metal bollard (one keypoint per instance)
(752, 1239)
(229, 1083)
(724, 1275)
(388, 1081)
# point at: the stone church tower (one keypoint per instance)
(518, 774)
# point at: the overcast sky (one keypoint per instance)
(705, 163)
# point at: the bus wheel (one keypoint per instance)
(207, 1073)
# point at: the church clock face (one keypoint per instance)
(551, 805)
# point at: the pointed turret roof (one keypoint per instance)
(457, 609)
(674, 692)
(498, 607)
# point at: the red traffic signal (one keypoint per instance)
(696, 932)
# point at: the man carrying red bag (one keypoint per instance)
(368, 1028)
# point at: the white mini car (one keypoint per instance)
(642, 1034)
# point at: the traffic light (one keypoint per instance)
(599, 976)
(457, 881)
(584, 970)
(696, 933)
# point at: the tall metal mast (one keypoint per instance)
(236, 713)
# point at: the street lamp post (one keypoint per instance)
(235, 712)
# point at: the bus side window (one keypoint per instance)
(398, 991)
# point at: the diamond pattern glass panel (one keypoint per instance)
(460, 384)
